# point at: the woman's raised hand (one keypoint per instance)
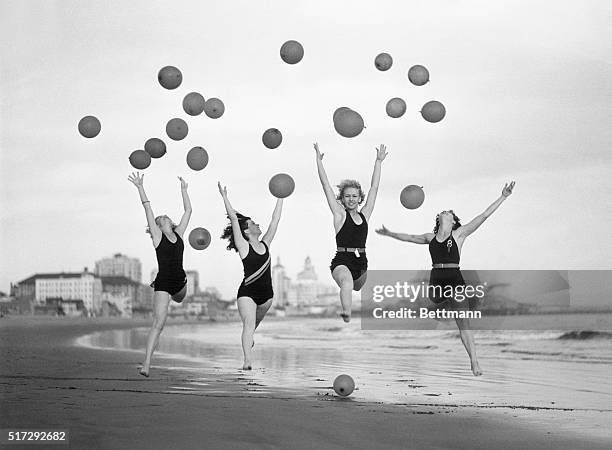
(136, 179)
(222, 190)
(381, 152)
(507, 190)
(183, 183)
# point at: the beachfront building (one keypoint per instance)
(193, 282)
(281, 284)
(38, 288)
(119, 265)
(306, 295)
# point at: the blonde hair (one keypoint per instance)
(345, 184)
(148, 229)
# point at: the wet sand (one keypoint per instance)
(48, 382)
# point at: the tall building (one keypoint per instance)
(281, 284)
(119, 266)
(83, 286)
(193, 283)
(307, 284)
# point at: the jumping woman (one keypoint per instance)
(445, 245)
(255, 292)
(349, 266)
(171, 281)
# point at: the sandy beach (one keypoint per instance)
(48, 382)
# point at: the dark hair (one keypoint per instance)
(228, 232)
(345, 184)
(456, 225)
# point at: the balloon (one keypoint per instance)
(272, 138)
(347, 122)
(139, 159)
(281, 185)
(170, 77)
(396, 107)
(418, 75)
(197, 158)
(412, 197)
(155, 147)
(292, 52)
(89, 126)
(383, 61)
(176, 129)
(199, 238)
(193, 103)
(344, 385)
(214, 108)
(433, 111)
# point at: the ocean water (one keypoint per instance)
(537, 369)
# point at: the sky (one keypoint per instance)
(526, 84)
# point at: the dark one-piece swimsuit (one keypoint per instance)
(352, 235)
(171, 277)
(444, 252)
(257, 283)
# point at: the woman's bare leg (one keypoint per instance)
(344, 280)
(467, 338)
(160, 311)
(247, 309)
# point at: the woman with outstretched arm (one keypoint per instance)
(255, 292)
(445, 245)
(171, 280)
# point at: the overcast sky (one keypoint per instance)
(527, 86)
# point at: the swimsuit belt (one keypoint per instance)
(351, 249)
(257, 275)
(446, 266)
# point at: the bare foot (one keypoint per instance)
(144, 373)
(476, 370)
(346, 317)
(246, 366)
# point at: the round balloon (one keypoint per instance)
(433, 111)
(193, 103)
(170, 77)
(344, 385)
(281, 185)
(292, 52)
(214, 108)
(155, 147)
(199, 238)
(412, 197)
(139, 159)
(89, 126)
(418, 75)
(348, 123)
(197, 158)
(396, 107)
(177, 129)
(383, 61)
(272, 138)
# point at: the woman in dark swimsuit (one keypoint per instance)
(445, 248)
(171, 281)
(255, 292)
(349, 266)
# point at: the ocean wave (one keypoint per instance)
(585, 334)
